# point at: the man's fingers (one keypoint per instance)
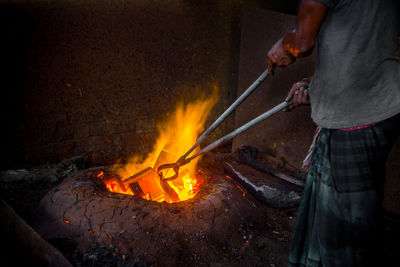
(299, 94)
(291, 93)
(298, 97)
(271, 65)
(305, 99)
(289, 98)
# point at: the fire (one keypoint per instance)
(176, 135)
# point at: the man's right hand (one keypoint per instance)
(299, 94)
(300, 41)
(277, 56)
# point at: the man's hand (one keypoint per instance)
(277, 56)
(299, 94)
(300, 41)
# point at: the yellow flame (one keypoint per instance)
(177, 134)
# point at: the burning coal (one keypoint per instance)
(176, 135)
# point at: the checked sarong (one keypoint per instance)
(339, 221)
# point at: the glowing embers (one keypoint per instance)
(147, 184)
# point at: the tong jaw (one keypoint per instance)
(175, 166)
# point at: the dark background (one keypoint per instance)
(94, 77)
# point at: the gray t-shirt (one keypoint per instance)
(357, 78)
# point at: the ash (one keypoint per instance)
(100, 255)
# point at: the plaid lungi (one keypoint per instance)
(339, 221)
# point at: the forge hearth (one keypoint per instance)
(80, 211)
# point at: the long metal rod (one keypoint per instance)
(241, 129)
(227, 112)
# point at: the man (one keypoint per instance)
(355, 101)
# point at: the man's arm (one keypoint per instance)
(301, 40)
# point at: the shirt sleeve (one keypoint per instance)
(329, 3)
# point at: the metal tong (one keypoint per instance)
(184, 160)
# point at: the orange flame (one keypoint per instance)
(176, 135)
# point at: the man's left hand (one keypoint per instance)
(299, 94)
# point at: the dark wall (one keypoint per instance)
(90, 77)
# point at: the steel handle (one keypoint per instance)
(226, 113)
(241, 129)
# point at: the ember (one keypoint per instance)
(176, 134)
(100, 174)
(238, 186)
